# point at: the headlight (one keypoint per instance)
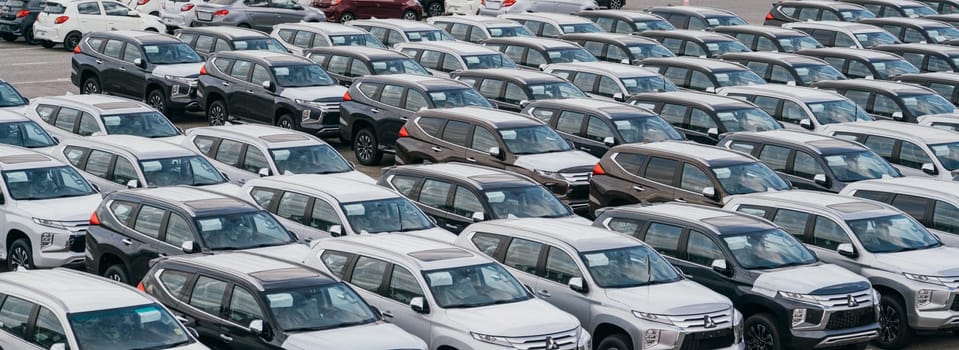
(490, 339)
(550, 174)
(802, 298)
(181, 80)
(924, 279)
(49, 223)
(311, 104)
(652, 317)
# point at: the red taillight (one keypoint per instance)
(76, 49)
(221, 12)
(23, 13)
(404, 133)
(94, 219)
(140, 287)
(203, 70)
(186, 7)
(142, 2)
(61, 19)
(769, 16)
(482, 2)
(335, 2)
(346, 97)
(598, 170)
(508, 3)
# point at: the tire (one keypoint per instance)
(117, 273)
(760, 333)
(894, 331)
(28, 36)
(156, 100)
(71, 40)
(8, 36)
(20, 254)
(615, 342)
(616, 4)
(286, 121)
(435, 8)
(217, 113)
(410, 15)
(366, 148)
(346, 17)
(91, 85)
(47, 44)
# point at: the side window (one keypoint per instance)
(661, 170)
(487, 243)
(694, 179)
(335, 261)
(857, 70)
(459, 31)
(208, 295)
(229, 152)
(825, 37)
(98, 163)
(695, 23)
(47, 113)
(483, 139)
(597, 129)
(260, 74)
(664, 238)
(122, 211)
(148, 221)
(781, 75)
(254, 160)
(516, 53)
(829, 15)
(223, 64)
(625, 226)
(131, 53)
(912, 155)
(415, 100)
(286, 35)
(369, 89)
(293, 206)
(885, 106)
(550, 31)
(403, 286)
(113, 48)
(594, 47)
(263, 197)
(806, 166)
(450, 63)
(431, 126)
(15, 316)
(492, 88)
(177, 231)
(914, 58)
(514, 94)
(615, 53)
(631, 162)
(793, 222)
(523, 255)
(701, 121)
(404, 184)
(394, 38)
(570, 122)
(758, 67)
(368, 273)
(585, 81)
(66, 119)
(338, 64)
(700, 81)
(701, 249)
(775, 157)
(674, 114)
(765, 44)
(674, 45)
(543, 114)
(827, 234)
(885, 197)
(560, 267)
(693, 49)
(88, 125)
(945, 217)
(881, 145)
(243, 307)
(843, 40)
(204, 144)
(204, 43)
(124, 171)
(465, 202)
(808, 14)
(323, 216)
(677, 75)
(793, 113)
(392, 95)
(746, 38)
(358, 69)
(241, 69)
(755, 210)
(88, 8)
(861, 98)
(477, 35)
(944, 90)
(913, 36)
(174, 282)
(455, 132)
(742, 146)
(303, 39)
(912, 205)
(434, 193)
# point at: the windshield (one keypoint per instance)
(748, 119)
(842, 111)
(648, 84)
(892, 68)
(918, 11)
(796, 43)
(767, 250)
(314, 159)
(920, 105)
(9, 97)
(948, 154)
(657, 24)
(356, 40)
(525, 202)
(26, 134)
(738, 78)
(862, 165)
(474, 286)
(725, 21)
(717, 48)
(398, 66)
(555, 91)
(242, 231)
(46, 183)
(458, 98)
(533, 140)
(493, 60)
(318, 307)
(428, 35)
(871, 39)
(628, 267)
(646, 129)
(267, 44)
(190, 170)
(171, 54)
(749, 178)
(506, 32)
(301, 76)
(890, 234)
(129, 328)
(569, 55)
(385, 215)
(649, 51)
(143, 124)
(811, 74)
(941, 34)
(854, 15)
(581, 28)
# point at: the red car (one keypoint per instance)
(347, 10)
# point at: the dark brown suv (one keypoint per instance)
(498, 139)
(677, 171)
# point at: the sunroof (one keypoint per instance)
(853, 207)
(440, 254)
(116, 105)
(283, 137)
(23, 158)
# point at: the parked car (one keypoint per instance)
(785, 68)
(770, 38)
(927, 57)
(861, 63)
(262, 15)
(696, 18)
(17, 18)
(46, 207)
(339, 11)
(932, 202)
(395, 31)
(596, 126)
(845, 34)
(900, 258)
(677, 171)
(607, 281)
(297, 37)
(476, 29)
(500, 7)
(800, 107)
(158, 69)
(915, 150)
(702, 74)
(534, 53)
(917, 30)
(553, 25)
(178, 14)
(763, 269)
(890, 100)
(945, 7)
(85, 115)
(896, 8)
(270, 88)
(376, 110)
(696, 43)
(498, 139)
(511, 89)
(610, 81)
(619, 48)
(703, 117)
(347, 63)
(270, 304)
(210, 40)
(46, 302)
(941, 121)
(810, 161)
(789, 11)
(53, 25)
(944, 83)
(131, 228)
(951, 18)
(150, 7)
(11, 99)
(479, 194)
(443, 58)
(616, 20)
(446, 295)
(246, 152)
(19, 130)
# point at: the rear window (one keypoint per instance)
(15, 4)
(54, 8)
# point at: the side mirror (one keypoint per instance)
(806, 124)
(609, 141)
(139, 62)
(264, 172)
(133, 13)
(791, 83)
(495, 152)
(190, 247)
(478, 216)
(709, 192)
(133, 184)
(542, 66)
(58, 346)
(846, 250)
(897, 115)
(523, 103)
(259, 328)
(821, 180)
(418, 304)
(625, 61)
(930, 169)
(719, 265)
(713, 132)
(710, 89)
(869, 77)
(266, 84)
(619, 97)
(577, 284)
(336, 230)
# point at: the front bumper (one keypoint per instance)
(822, 339)
(942, 312)
(59, 248)
(182, 96)
(322, 121)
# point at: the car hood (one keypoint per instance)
(555, 161)
(939, 261)
(387, 336)
(312, 93)
(190, 70)
(678, 298)
(293, 252)
(804, 279)
(62, 209)
(526, 318)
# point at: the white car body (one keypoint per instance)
(173, 15)
(46, 28)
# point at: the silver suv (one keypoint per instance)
(916, 275)
(448, 296)
(934, 203)
(915, 150)
(84, 115)
(623, 292)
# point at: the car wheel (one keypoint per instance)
(367, 148)
(286, 121)
(435, 8)
(71, 41)
(894, 331)
(156, 100)
(616, 4)
(760, 333)
(47, 44)
(346, 17)
(117, 273)
(217, 113)
(28, 36)
(410, 15)
(8, 36)
(615, 342)
(91, 85)
(20, 255)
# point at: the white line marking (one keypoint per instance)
(30, 64)
(38, 81)
(23, 49)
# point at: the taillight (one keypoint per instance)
(335, 2)
(76, 49)
(403, 132)
(346, 97)
(203, 70)
(598, 170)
(508, 3)
(61, 19)
(186, 7)
(142, 2)
(482, 2)
(23, 13)
(769, 16)
(94, 219)
(140, 287)
(221, 12)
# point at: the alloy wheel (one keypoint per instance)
(409, 16)
(20, 258)
(91, 87)
(286, 124)
(615, 4)
(346, 17)
(435, 9)
(758, 337)
(364, 147)
(216, 115)
(889, 323)
(156, 101)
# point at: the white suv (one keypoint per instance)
(65, 21)
(46, 208)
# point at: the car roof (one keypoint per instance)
(230, 32)
(541, 43)
(394, 23)
(947, 50)
(522, 75)
(16, 158)
(560, 18)
(342, 189)
(788, 58)
(930, 186)
(583, 238)
(718, 220)
(806, 94)
(195, 200)
(459, 47)
(706, 11)
(866, 54)
(72, 291)
(830, 4)
(894, 87)
(494, 118)
(140, 37)
(775, 30)
(690, 34)
(96, 103)
(621, 13)
(616, 69)
(704, 153)
(710, 64)
(263, 271)
(909, 131)
(889, 2)
(823, 145)
(422, 253)
(613, 109)
(268, 57)
(10, 116)
(265, 135)
(425, 82)
(849, 208)
(145, 148)
(369, 53)
(851, 26)
(625, 39)
(323, 27)
(943, 76)
(481, 177)
(486, 21)
(696, 98)
(921, 22)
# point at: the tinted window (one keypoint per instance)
(368, 273)
(912, 156)
(241, 69)
(597, 130)
(665, 238)
(523, 255)
(483, 139)
(434, 193)
(487, 243)
(292, 206)
(806, 166)
(775, 157)
(430, 125)
(945, 217)
(177, 231)
(392, 95)
(702, 250)
(661, 170)
(465, 202)
(631, 162)
(148, 221)
(693, 179)
(243, 307)
(415, 101)
(560, 267)
(122, 211)
(828, 234)
(404, 184)
(208, 295)
(792, 221)
(912, 205)
(335, 262)
(885, 197)
(403, 286)
(456, 132)
(674, 114)
(323, 216)
(174, 282)
(570, 122)
(229, 152)
(14, 315)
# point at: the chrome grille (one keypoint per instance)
(951, 281)
(76, 226)
(565, 340)
(721, 318)
(576, 177)
(862, 298)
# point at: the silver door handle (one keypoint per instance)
(545, 293)
(388, 314)
(585, 149)
(226, 338)
(436, 149)
(375, 110)
(680, 200)
(226, 83)
(127, 241)
(471, 159)
(123, 69)
(99, 61)
(637, 188)
(450, 226)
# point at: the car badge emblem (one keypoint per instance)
(551, 344)
(851, 301)
(708, 322)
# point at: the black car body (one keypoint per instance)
(863, 63)
(895, 8)
(378, 106)
(927, 57)
(626, 21)
(770, 38)
(534, 53)
(790, 11)
(157, 68)
(890, 100)
(17, 17)
(270, 88)
(619, 48)
(917, 30)
(785, 68)
(611, 81)
(702, 74)
(511, 89)
(703, 117)
(210, 40)
(696, 43)
(945, 84)
(349, 63)
(696, 18)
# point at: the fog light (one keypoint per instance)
(306, 114)
(799, 316)
(46, 239)
(651, 338)
(923, 297)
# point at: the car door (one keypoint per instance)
(136, 246)
(147, 224)
(206, 300)
(227, 156)
(699, 253)
(570, 124)
(401, 287)
(119, 17)
(481, 143)
(553, 284)
(260, 100)
(648, 179)
(692, 181)
(91, 17)
(16, 316)
(437, 194)
(369, 276)
(243, 307)
(132, 77)
(110, 64)
(464, 204)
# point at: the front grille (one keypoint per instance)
(331, 118)
(708, 340)
(851, 318)
(578, 192)
(955, 303)
(695, 322)
(77, 243)
(576, 177)
(863, 297)
(565, 340)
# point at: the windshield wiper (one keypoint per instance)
(162, 346)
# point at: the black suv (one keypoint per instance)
(536, 53)
(481, 193)
(890, 100)
(790, 11)
(926, 57)
(130, 228)
(696, 18)
(696, 43)
(770, 38)
(619, 48)
(702, 74)
(785, 68)
(346, 63)
(917, 30)
(895, 8)
(210, 40)
(156, 68)
(626, 21)
(944, 83)
(704, 117)
(376, 107)
(17, 17)
(511, 89)
(863, 63)
(270, 88)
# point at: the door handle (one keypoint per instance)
(451, 226)
(225, 338)
(99, 61)
(638, 188)
(545, 293)
(388, 314)
(471, 159)
(680, 200)
(123, 69)
(585, 149)
(127, 241)
(249, 91)
(226, 83)
(374, 110)
(436, 149)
